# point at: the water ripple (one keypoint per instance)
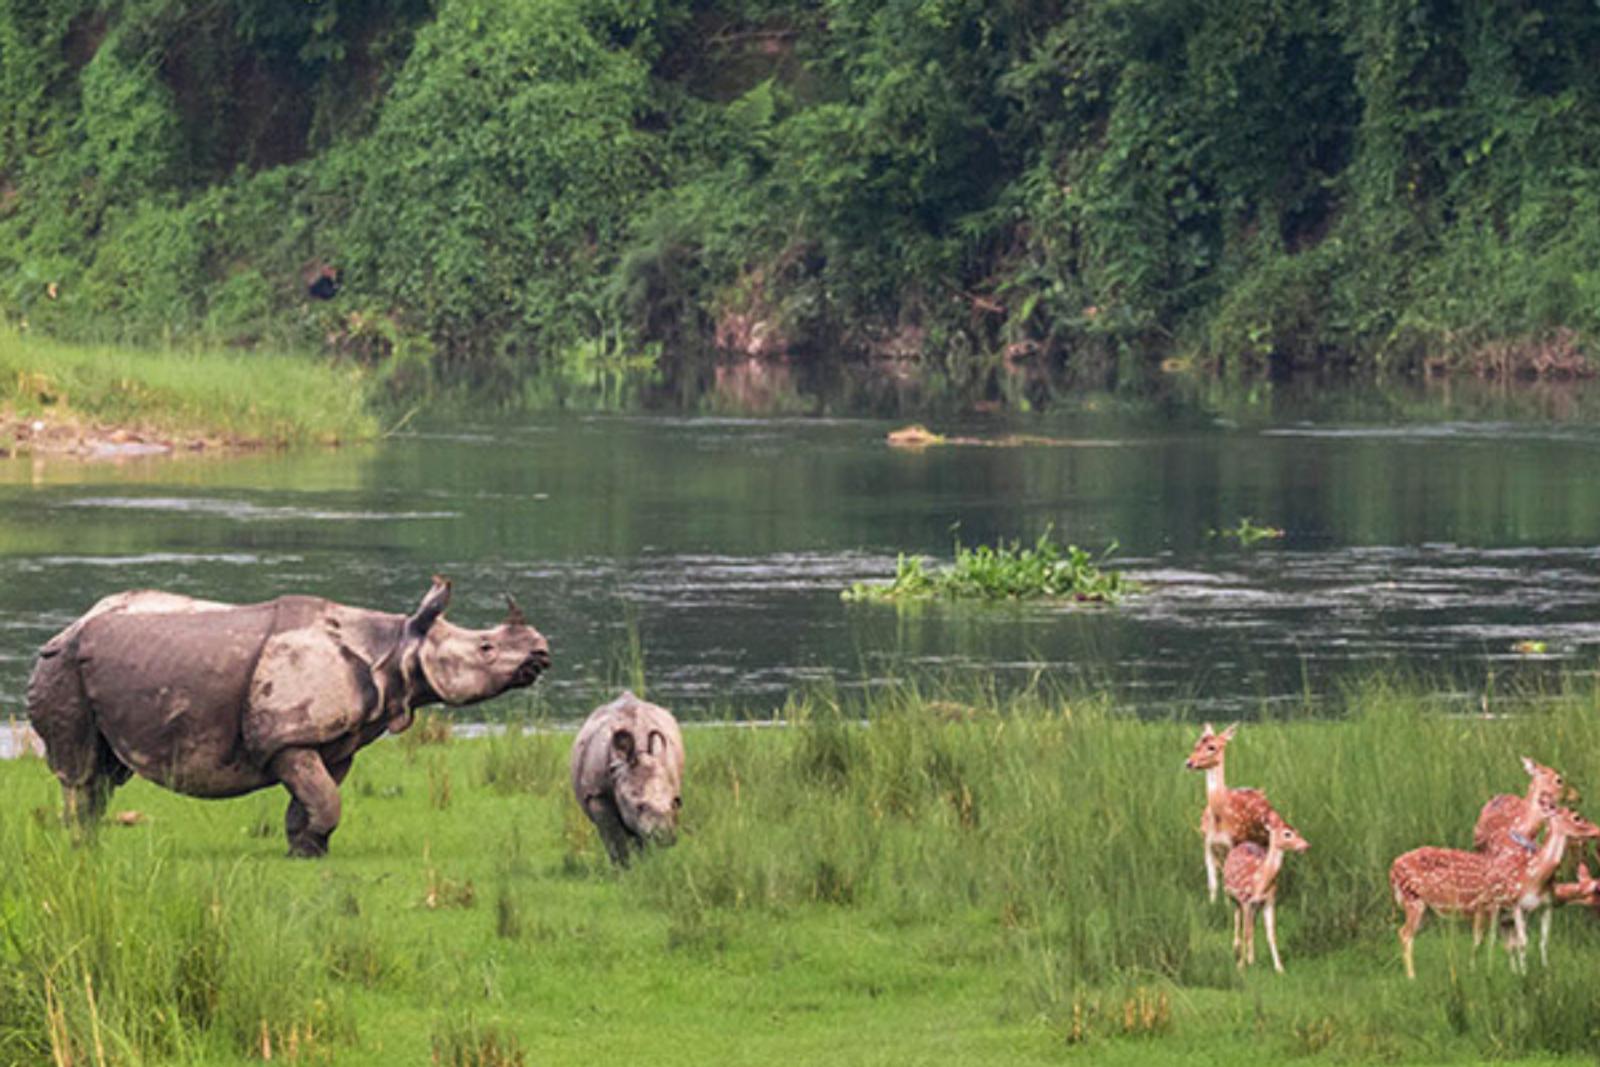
(246, 512)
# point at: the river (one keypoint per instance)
(710, 552)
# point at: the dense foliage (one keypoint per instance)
(986, 198)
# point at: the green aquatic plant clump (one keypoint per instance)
(1004, 572)
(1248, 533)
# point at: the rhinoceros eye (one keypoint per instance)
(486, 647)
(677, 802)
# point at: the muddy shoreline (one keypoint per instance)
(79, 439)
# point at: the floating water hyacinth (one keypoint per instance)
(1248, 533)
(1004, 572)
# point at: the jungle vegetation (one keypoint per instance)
(641, 199)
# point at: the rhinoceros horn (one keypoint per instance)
(514, 616)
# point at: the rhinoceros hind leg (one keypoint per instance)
(85, 794)
(79, 756)
(313, 812)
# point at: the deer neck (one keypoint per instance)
(1548, 858)
(1530, 818)
(1216, 788)
(1267, 873)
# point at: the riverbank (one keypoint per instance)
(107, 402)
(949, 881)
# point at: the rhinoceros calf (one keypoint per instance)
(627, 773)
(216, 700)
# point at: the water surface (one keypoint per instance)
(718, 547)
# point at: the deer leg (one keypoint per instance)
(1250, 933)
(1519, 959)
(1269, 918)
(1211, 872)
(1485, 922)
(1544, 935)
(1408, 934)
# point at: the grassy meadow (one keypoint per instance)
(217, 397)
(931, 878)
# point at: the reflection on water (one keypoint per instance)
(721, 545)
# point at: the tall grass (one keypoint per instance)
(1065, 836)
(1032, 858)
(122, 959)
(246, 399)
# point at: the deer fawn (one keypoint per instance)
(1231, 816)
(1481, 885)
(1586, 890)
(1513, 820)
(1251, 875)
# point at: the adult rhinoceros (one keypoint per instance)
(215, 700)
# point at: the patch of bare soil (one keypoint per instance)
(71, 437)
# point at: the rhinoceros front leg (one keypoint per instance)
(296, 819)
(614, 833)
(313, 812)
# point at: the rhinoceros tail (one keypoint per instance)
(59, 711)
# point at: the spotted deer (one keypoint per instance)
(1512, 820)
(1251, 877)
(1586, 890)
(1231, 816)
(1481, 885)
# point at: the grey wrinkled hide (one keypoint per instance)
(627, 774)
(215, 700)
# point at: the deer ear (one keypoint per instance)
(1531, 767)
(1227, 735)
(1208, 731)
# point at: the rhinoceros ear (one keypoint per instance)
(656, 743)
(514, 616)
(431, 608)
(622, 741)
